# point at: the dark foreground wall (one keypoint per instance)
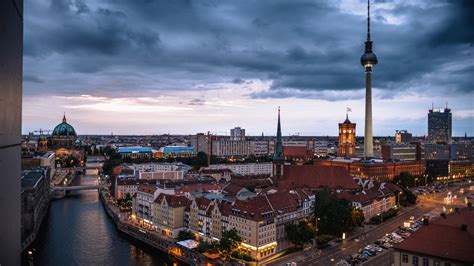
(11, 61)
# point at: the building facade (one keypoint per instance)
(399, 152)
(439, 125)
(402, 136)
(237, 133)
(347, 139)
(377, 169)
(168, 213)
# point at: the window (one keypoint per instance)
(426, 262)
(415, 260)
(405, 258)
(436, 263)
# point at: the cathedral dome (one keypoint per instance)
(64, 129)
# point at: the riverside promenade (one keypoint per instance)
(151, 237)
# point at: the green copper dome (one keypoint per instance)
(64, 129)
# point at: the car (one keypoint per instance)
(378, 249)
(367, 253)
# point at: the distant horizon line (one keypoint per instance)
(250, 136)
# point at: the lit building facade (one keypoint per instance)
(347, 139)
(402, 136)
(399, 152)
(439, 125)
(377, 170)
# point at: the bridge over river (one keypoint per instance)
(73, 188)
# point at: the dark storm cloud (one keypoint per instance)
(304, 47)
(32, 78)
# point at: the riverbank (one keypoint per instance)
(148, 237)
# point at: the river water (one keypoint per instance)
(77, 231)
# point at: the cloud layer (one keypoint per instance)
(258, 54)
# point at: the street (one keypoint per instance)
(431, 203)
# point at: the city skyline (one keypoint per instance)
(238, 64)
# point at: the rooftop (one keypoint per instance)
(31, 178)
(134, 150)
(445, 237)
(316, 176)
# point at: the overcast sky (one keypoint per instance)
(154, 67)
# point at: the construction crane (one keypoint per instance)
(41, 131)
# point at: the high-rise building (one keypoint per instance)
(347, 139)
(367, 60)
(402, 136)
(439, 125)
(237, 133)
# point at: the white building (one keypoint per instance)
(247, 168)
(173, 171)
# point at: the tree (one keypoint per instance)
(410, 198)
(357, 217)
(113, 159)
(406, 180)
(229, 242)
(200, 160)
(300, 234)
(334, 216)
(185, 235)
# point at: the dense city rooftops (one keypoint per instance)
(451, 237)
(316, 176)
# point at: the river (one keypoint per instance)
(77, 231)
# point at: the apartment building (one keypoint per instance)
(143, 201)
(124, 187)
(168, 214)
(260, 220)
(173, 171)
(246, 168)
(373, 200)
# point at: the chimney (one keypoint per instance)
(464, 227)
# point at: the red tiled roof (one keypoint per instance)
(202, 203)
(368, 196)
(173, 200)
(205, 171)
(199, 187)
(150, 189)
(297, 151)
(232, 189)
(252, 182)
(316, 176)
(443, 238)
(126, 182)
(266, 206)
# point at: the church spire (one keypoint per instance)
(278, 155)
(64, 117)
